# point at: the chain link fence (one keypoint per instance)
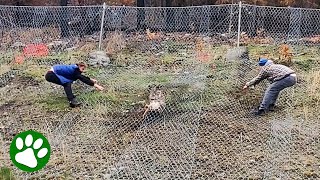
(184, 59)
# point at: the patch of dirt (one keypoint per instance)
(13, 78)
(7, 106)
(247, 97)
(25, 81)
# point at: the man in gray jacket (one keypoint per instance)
(280, 76)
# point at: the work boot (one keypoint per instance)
(272, 107)
(259, 112)
(74, 103)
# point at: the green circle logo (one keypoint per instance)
(30, 151)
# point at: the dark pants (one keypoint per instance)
(53, 78)
(272, 93)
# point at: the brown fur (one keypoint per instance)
(156, 100)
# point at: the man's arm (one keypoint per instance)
(85, 79)
(261, 76)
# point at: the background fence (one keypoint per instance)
(205, 130)
(284, 23)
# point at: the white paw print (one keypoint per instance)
(27, 157)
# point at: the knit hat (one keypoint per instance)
(262, 61)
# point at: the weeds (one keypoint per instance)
(53, 103)
(115, 43)
(285, 55)
(6, 174)
(305, 65)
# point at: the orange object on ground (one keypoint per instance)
(203, 56)
(35, 50)
(19, 59)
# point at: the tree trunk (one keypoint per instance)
(64, 20)
(141, 15)
(63, 2)
(169, 17)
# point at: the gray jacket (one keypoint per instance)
(272, 72)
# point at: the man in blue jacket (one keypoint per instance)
(64, 75)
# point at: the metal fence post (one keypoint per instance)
(239, 24)
(102, 23)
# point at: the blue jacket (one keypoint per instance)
(70, 73)
(66, 73)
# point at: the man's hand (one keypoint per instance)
(100, 88)
(246, 86)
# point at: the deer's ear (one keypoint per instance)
(151, 86)
(160, 86)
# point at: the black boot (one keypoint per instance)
(259, 112)
(272, 107)
(74, 103)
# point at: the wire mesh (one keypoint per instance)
(205, 130)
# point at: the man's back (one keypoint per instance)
(66, 73)
(276, 72)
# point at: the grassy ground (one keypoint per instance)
(133, 71)
(219, 100)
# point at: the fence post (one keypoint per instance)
(102, 24)
(239, 24)
(231, 16)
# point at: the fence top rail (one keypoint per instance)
(279, 7)
(135, 7)
(10, 6)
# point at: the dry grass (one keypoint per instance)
(285, 55)
(4, 69)
(313, 81)
(88, 47)
(115, 43)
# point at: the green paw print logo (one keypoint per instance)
(30, 151)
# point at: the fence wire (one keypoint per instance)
(187, 55)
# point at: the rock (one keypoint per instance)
(235, 54)
(17, 45)
(159, 53)
(206, 39)
(70, 49)
(54, 43)
(107, 176)
(98, 58)
(58, 45)
(183, 54)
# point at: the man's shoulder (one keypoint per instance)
(282, 67)
(279, 65)
(74, 66)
